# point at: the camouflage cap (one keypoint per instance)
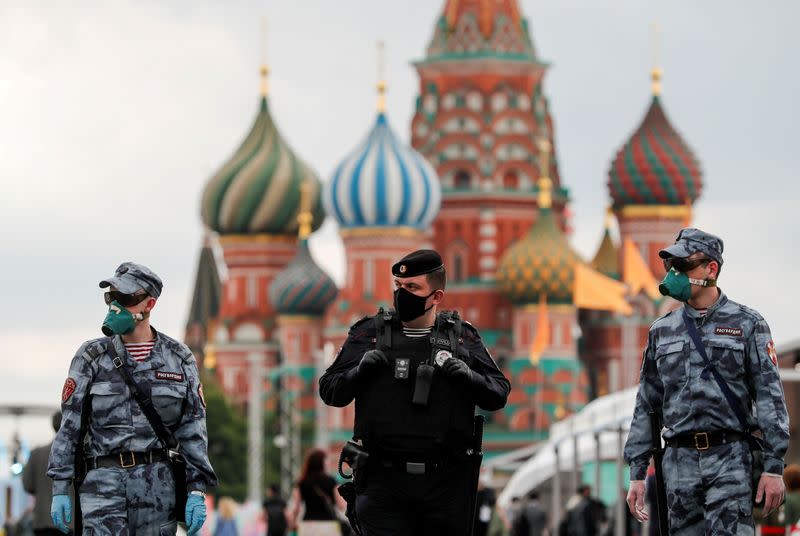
(131, 277)
(691, 240)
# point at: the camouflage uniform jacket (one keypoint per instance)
(117, 423)
(674, 383)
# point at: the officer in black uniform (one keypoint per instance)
(416, 376)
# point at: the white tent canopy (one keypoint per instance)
(602, 418)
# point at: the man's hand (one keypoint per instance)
(457, 369)
(195, 513)
(61, 512)
(371, 361)
(636, 500)
(771, 490)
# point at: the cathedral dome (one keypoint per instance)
(302, 288)
(383, 183)
(540, 263)
(655, 166)
(258, 189)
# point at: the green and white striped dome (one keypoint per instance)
(258, 190)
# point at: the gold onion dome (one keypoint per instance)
(258, 189)
(542, 262)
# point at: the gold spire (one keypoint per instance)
(381, 78)
(305, 217)
(656, 73)
(545, 199)
(264, 70)
(609, 218)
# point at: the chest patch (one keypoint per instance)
(172, 376)
(730, 332)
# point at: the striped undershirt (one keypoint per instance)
(415, 333)
(702, 312)
(140, 350)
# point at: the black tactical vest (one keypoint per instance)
(385, 416)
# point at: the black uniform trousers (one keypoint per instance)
(393, 502)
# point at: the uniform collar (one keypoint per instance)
(155, 361)
(722, 299)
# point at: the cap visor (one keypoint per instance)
(121, 284)
(675, 250)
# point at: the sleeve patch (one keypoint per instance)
(200, 394)
(772, 353)
(68, 389)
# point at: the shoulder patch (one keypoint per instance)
(68, 389)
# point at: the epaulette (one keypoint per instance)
(180, 349)
(749, 311)
(662, 317)
(94, 348)
(362, 328)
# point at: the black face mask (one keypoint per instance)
(410, 306)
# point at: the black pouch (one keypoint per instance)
(756, 445)
(422, 385)
(178, 466)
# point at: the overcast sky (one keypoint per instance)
(113, 114)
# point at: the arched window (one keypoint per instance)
(458, 267)
(462, 179)
(510, 180)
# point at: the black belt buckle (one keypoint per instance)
(704, 445)
(415, 468)
(122, 460)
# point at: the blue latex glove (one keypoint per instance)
(61, 512)
(195, 514)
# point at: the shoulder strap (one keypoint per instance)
(143, 399)
(723, 385)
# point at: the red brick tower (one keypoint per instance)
(480, 109)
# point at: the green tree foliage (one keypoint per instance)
(227, 442)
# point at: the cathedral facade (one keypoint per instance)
(481, 184)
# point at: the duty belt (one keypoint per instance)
(705, 440)
(127, 459)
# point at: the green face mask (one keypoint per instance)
(119, 321)
(678, 285)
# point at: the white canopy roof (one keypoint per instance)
(604, 416)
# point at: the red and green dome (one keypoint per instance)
(542, 262)
(655, 166)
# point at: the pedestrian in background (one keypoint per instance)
(316, 491)
(226, 524)
(36, 482)
(275, 512)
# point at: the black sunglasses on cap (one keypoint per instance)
(125, 300)
(683, 264)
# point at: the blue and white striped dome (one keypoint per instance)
(383, 183)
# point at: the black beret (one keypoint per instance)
(422, 261)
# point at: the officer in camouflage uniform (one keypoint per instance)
(707, 462)
(129, 487)
(416, 377)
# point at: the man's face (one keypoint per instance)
(419, 286)
(144, 306)
(705, 270)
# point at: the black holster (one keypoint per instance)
(356, 457)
